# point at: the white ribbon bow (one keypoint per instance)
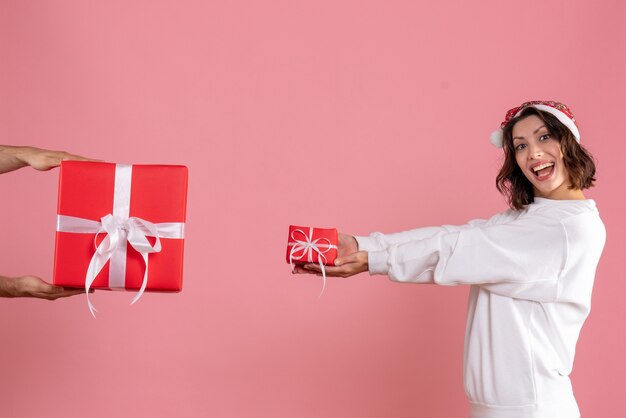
(119, 231)
(307, 247)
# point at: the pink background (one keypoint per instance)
(360, 115)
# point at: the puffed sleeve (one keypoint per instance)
(529, 252)
(378, 241)
(585, 237)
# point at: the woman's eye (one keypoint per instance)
(545, 137)
(520, 147)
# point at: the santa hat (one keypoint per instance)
(559, 110)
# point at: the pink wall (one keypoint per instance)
(360, 115)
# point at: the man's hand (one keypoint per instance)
(12, 158)
(350, 260)
(34, 287)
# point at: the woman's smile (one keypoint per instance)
(543, 170)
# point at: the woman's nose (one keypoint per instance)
(535, 152)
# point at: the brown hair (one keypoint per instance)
(512, 182)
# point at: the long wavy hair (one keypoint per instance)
(512, 182)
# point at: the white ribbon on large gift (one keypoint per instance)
(301, 248)
(120, 229)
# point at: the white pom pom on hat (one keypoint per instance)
(559, 110)
(497, 138)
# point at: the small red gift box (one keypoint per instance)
(311, 245)
(120, 226)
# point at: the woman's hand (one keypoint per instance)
(350, 260)
(34, 287)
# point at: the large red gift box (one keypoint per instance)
(123, 207)
(311, 245)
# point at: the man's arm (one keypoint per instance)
(34, 287)
(12, 158)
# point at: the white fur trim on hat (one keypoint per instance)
(497, 137)
(562, 117)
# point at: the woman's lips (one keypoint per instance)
(542, 170)
(544, 174)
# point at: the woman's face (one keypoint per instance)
(538, 154)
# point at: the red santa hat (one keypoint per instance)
(559, 110)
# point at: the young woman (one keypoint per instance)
(531, 268)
